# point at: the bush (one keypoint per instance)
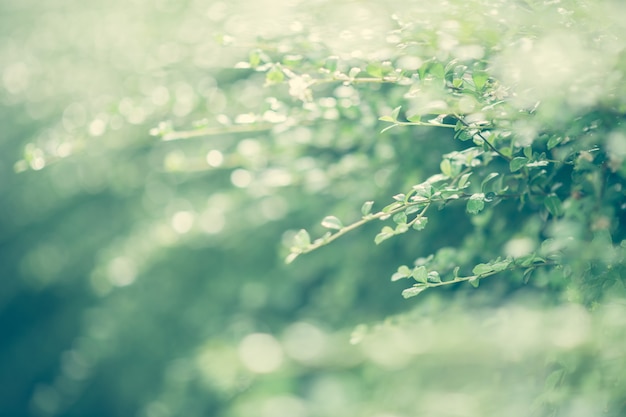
(472, 141)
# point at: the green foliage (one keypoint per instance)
(472, 149)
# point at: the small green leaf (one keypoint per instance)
(554, 205)
(354, 71)
(528, 152)
(482, 269)
(463, 180)
(403, 272)
(400, 218)
(331, 63)
(474, 282)
(392, 206)
(446, 167)
(332, 222)
(413, 291)
(420, 223)
(488, 268)
(375, 69)
(302, 239)
(455, 271)
(396, 112)
(518, 163)
(254, 58)
(384, 234)
(476, 203)
(433, 276)
(487, 179)
(274, 76)
(457, 83)
(416, 118)
(420, 274)
(291, 257)
(554, 141)
(480, 78)
(437, 70)
(366, 208)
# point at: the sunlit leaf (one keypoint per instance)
(332, 222)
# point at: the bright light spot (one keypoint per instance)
(304, 342)
(160, 96)
(245, 118)
(174, 161)
(122, 271)
(182, 221)
(260, 353)
(212, 221)
(276, 177)
(37, 163)
(97, 127)
(249, 147)
(241, 178)
(518, 247)
(214, 158)
(64, 149)
(274, 117)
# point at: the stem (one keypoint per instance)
(479, 134)
(361, 222)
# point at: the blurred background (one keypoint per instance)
(145, 277)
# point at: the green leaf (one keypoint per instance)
(488, 268)
(518, 163)
(302, 240)
(554, 205)
(403, 272)
(331, 63)
(463, 180)
(420, 274)
(487, 179)
(332, 222)
(274, 76)
(433, 276)
(392, 206)
(480, 79)
(384, 234)
(474, 282)
(400, 218)
(291, 257)
(366, 208)
(528, 152)
(354, 71)
(420, 223)
(446, 167)
(416, 118)
(254, 58)
(476, 203)
(413, 291)
(554, 141)
(437, 70)
(375, 69)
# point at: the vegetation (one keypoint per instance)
(205, 205)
